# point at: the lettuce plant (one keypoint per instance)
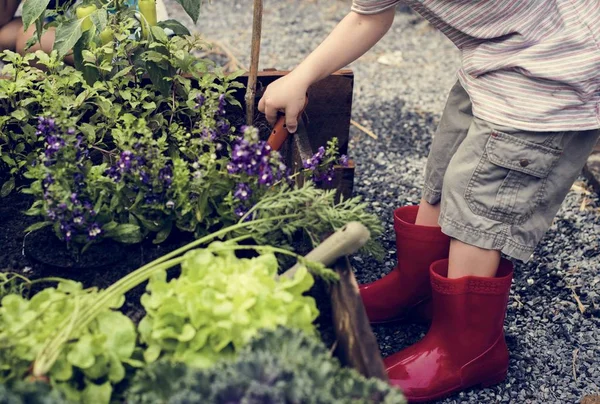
(218, 303)
(93, 361)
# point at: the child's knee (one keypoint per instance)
(8, 34)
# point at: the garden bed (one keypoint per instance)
(132, 186)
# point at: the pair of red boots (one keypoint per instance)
(465, 344)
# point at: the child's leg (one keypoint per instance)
(501, 190)
(405, 293)
(9, 33)
(46, 44)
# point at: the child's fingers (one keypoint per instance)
(271, 114)
(261, 105)
(291, 119)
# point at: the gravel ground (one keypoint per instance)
(553, 320)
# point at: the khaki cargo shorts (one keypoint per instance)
(499, 187)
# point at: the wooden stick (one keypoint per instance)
(366, 130)
(255, 53)
(357, 345)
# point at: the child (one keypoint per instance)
(12, 35)
(517, 129)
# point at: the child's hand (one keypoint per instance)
(288, 95)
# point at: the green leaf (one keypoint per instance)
(159, 34)
(19, 114)
(192, 8)
(62, 370)
(116, 372)
(90, 74)
(122, 72)
(8, 160)
(32, 10)
(99, 18)
(163, 233)
(96, 393)
(67, 36)
(119, 331)
(157, 76)
(7, 187)
(81, 353)
(37, 226)
(175, 26)
(126, 233)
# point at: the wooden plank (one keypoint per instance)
(592, 169)
(357, 346)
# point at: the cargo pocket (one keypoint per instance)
(509, 181)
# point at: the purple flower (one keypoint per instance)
(240, 211)
(223, 127)
(125, 160)
(343, 161)
(266, 177)
(78, 219)
(48, 180)
(166, 175)
(66, 230)
(144, 177)
(74, 199)
(71, 131)
(242, 192)
(316, 160)
(222, 103)
(209, 134)
(232, 168)
(78, 178)
(45, 125)
(113, 173)
(94, 231)
(327, 177)
(53, 145)
(200, 99)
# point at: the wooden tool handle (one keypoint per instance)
(345, 241)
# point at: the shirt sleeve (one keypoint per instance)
(372, 6)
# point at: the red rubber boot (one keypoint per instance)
(406, 291)
(465, 345)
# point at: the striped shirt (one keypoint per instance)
(527, 64)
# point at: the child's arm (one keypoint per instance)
(352, 37)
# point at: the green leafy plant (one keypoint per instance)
(30, 393)
(278, 366)
(218, 303)
(77, 321)
(94, 359)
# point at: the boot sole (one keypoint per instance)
(492, 380)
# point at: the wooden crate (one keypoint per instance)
(327, 116)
